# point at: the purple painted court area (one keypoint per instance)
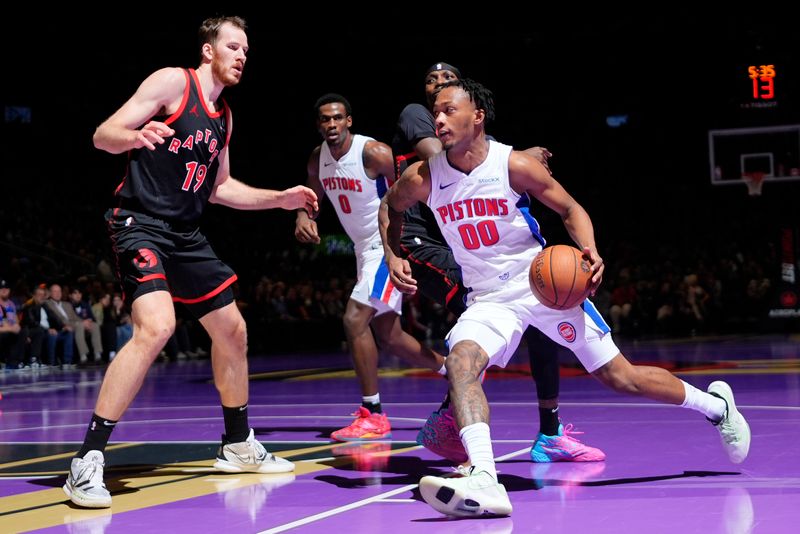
(665, 469)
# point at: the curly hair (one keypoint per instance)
(482, 97)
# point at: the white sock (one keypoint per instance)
(371, 399)
(478, 443)
(705, 403)
(443, 370)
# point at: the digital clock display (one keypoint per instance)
(763, 77)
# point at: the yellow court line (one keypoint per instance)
(783, 361)
(50, 507)
(290, 373)
(349, 373)
(320, 376)
(40, 459)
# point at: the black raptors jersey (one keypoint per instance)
(414, 124)
(174, 181)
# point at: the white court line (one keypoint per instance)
(196, 419)
(406, 419)
(654, 404)
(216, 407)
(310, 443)
(396, 404)
(383, 497)
(339, 510)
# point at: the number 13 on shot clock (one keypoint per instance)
(763, 77)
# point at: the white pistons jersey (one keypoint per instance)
(487, 224)
(354, 195)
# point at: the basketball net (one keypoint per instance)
(754, 181)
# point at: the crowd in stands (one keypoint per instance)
(63, 306)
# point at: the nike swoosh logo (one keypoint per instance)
(328, 164)
(446, 186)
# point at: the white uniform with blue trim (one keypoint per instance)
(494, 238)
(357, 198)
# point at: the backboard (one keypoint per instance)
(773, 151)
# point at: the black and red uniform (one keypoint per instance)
(437, 274)
(154, 228)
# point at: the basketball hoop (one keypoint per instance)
(754, 182)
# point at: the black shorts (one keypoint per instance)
(437, 274)
(155, 255)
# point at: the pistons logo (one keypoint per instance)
(567, 331)
(145, 259)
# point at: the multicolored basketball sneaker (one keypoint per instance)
(440, 435)
(367, 426)
(564, 448)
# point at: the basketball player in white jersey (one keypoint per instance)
(479, 191)
(351, 170)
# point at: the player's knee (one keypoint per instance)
(354, 323)
(238, 335)
(466, 358)
(455, 364)
(156, 331)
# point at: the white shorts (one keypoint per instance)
(497, 320)
(373, 287)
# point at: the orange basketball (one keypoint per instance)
(560, 277)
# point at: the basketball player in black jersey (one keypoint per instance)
(429, 261)
(176, 129)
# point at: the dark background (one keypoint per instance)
(676, 75)
(556, 78)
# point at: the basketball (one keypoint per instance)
(560, 277)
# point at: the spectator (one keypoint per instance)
(108, 330)
(122, 321)
(64, 321)
(44, 328)
(12, 340)
(86, 324)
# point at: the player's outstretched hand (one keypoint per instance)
(298, 197)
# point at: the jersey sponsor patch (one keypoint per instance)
(567, 331)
